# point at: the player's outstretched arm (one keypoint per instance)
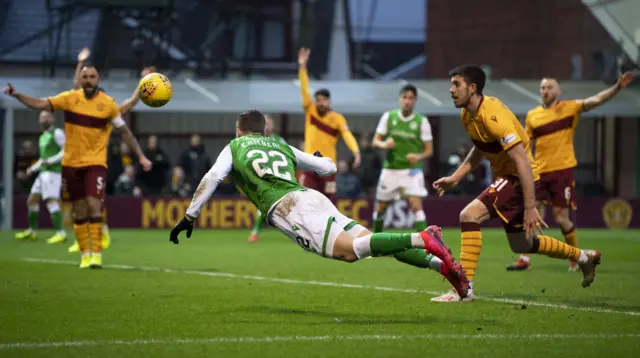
(596, 100)
(206, 188)
(303, 76)
(381, 132)
(30, 102)
(130, 102)
(128, 137)
(321, 165)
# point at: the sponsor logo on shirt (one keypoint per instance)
(508, 139)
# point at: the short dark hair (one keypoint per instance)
(323, 92)
(409, 88)
(251, 121)
(472, 75)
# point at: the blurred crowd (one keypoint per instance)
(125, 177)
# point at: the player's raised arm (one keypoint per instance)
(129, 103)
(82, 57)
(596, 100)
(303, 76)
(30, 102)
(322, 165)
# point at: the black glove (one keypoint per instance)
(184, 224)
(317, 154)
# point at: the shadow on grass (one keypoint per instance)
(371, 319)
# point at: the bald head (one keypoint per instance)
(46, 120)
(549, 91)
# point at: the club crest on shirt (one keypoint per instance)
(100, 107)
(394, 122)
(413, 125)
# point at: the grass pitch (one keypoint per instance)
(216, 295)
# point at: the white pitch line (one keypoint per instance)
(426, 95)
(370, 337)
(342, 285)
(523, 91)
(297, 84)
(203, 91)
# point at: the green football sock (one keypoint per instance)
(257, 225)
(421, 221)
(420, 225)
(415, 257)
(57, 220)
(378, 225)
(389, 243)
(34, 219)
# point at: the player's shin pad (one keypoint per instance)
(471, 246)
(81, 228)
(415, 257)
(95, 229)
(571, 237)
(549, 246)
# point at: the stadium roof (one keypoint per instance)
(349, 97)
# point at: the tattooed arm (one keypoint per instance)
(210, 182)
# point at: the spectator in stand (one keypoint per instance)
(178, 186)
(348, 184)
(194, 161)
(154, 180)
(126, 185)
(27, 155)
(370, 167)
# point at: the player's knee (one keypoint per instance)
(53, 205)
(350, 258)
(33, 200)
(415, 205)
(561, 217)
(475, 212)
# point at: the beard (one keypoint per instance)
(89, 91)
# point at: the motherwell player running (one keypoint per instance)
(89, 116)
(498, 135)
(321, 130)
(552, 126)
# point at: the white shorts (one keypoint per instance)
(311, 220)
(47, 185)
(394, 181)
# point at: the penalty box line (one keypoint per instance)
(275, 339)
(336, 284)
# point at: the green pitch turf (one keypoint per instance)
(217, 296)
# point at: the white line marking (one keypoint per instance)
(371, 337)
(203, 91)
(426, 95)
(523, 91)
(342, 285)
(297, 84)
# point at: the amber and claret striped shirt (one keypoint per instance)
(321, 132)
(495, 130)
(87, 125)
(553, 130)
